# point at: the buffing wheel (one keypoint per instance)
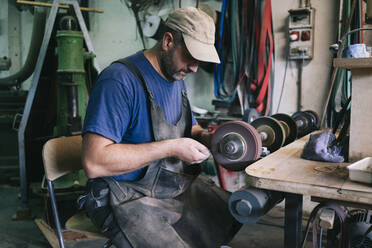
(306, 122)
(291, 124)
(315, 120)
(235, 144)
(272, 133)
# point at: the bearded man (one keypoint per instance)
(142, 146)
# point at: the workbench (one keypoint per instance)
(285, 171)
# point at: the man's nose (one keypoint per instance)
(193, 67)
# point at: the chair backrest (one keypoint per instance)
(62, 156)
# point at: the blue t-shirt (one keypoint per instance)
(117, 107)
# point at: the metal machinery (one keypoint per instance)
(359, 227)
(11, 104)
(57, 98)
(306, 122)
(236, 144)
(72, 91)
(72, 99)
(13, 97)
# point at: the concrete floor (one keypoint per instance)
(267, 233)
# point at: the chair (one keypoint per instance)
(62, 156)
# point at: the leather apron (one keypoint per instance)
(171, 205)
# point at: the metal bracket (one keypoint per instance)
(16, 122)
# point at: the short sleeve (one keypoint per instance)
(108, 111)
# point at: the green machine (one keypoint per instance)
(72, 91)
(72, 99)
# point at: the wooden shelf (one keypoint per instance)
(353, 63)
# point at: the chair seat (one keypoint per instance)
(82, 224)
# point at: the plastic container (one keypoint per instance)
(361, 171)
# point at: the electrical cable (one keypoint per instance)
(249, 56)
(264, 73)
(320, 237)
(284, 77)
(136, 6)
(299, 84)
(217, 72)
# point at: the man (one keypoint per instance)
(139, 144)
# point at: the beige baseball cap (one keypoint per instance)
(198, 32)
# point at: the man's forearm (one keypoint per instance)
(102, 157)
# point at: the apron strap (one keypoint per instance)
(115, 188)
(133, 68)
(150, 96)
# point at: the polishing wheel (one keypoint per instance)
(235, 144)
(302, 122)
(306, 122)
(271, 131)
(315, 120)
(289, 125)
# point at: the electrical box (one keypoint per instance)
(301, 33)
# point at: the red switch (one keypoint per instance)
(294, 36)
(305, 35)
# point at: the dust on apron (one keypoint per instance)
(171, 206)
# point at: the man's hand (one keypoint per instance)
(189, 150)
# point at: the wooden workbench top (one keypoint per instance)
(353, 63)
(284, 170)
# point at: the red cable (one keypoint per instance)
(265, 84)
(262, 44)
(264, 77)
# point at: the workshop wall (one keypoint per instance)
(114, 35)
(316, 73)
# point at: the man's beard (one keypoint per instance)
(168, 67)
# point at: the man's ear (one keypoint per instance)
(167, 41)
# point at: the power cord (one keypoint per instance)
(284, 77)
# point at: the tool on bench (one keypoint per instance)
(289, 125)
(306, 121)
(272, 132)
(235, 144)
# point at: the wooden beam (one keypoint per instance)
(353, 63)
(60, 6)
(48, 232)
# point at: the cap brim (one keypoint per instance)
(201, 51)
